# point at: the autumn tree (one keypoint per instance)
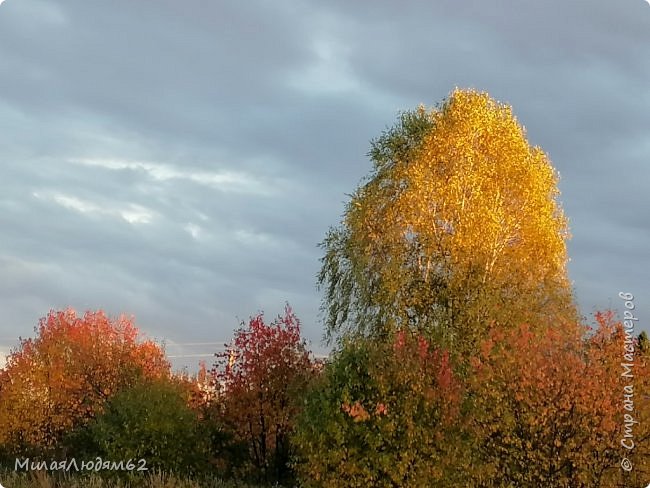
(634, 445)
(59, 380)
(458, 226)
(383, 414)
(261, 377)
(547, 408)
(201, 386)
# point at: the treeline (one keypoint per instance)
(533, 408)
(459, 355)
(88, 388)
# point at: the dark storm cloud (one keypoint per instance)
(180, 161)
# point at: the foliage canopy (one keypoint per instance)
(458, 225)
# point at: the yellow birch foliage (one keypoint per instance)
(459, 226)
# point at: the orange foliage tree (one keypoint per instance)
(547, 407)
(59, 380)
(261, 377)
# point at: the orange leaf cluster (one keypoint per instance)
(548, 404)
(62, 378)
(356, 411)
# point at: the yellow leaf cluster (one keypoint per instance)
(468, 222)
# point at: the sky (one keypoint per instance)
(180, 161)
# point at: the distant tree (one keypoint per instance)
(644, 343)
(61, 379)
(457, 227)
(261, 378)
(201, 385)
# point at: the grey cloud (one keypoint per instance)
(235, 129)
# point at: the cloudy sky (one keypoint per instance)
(180, 160)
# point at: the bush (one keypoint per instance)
(382, 414)
(149, 421)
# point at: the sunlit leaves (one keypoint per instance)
(151, 420)
(547, 406)
(62, 378)
(459, 224)
(261, 376)
(382, 414)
